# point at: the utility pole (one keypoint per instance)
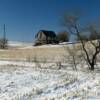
(4, 32)
(4, 37)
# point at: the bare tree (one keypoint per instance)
(3, 43)
(72, 55)
(3, 40)
(84, 37)
(71, 21)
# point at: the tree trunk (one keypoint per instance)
(92, 66)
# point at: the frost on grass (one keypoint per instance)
(43, 84)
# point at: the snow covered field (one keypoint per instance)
(26, 80)
(29, 83)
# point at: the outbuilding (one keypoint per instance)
(45, 37)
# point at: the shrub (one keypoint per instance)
(94, 36)
(83, 37)
(63, 36)
(3, 43)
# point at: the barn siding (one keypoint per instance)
(41, 36)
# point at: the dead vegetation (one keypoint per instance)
(71, 54)
(29, 54)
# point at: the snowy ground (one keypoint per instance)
(25, 45)
(18, 82)
(16, 43)
(21, 80)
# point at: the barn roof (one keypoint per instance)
(48, 33)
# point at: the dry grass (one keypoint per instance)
(40, 53)
(48, 53)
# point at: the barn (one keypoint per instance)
(45, 37)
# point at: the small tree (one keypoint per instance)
(74, 58)
(71, 22)
(3, 43)
(94, 35)
(63, 36)
(3, 40)
(84, 38)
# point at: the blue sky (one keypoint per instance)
(24, 18)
